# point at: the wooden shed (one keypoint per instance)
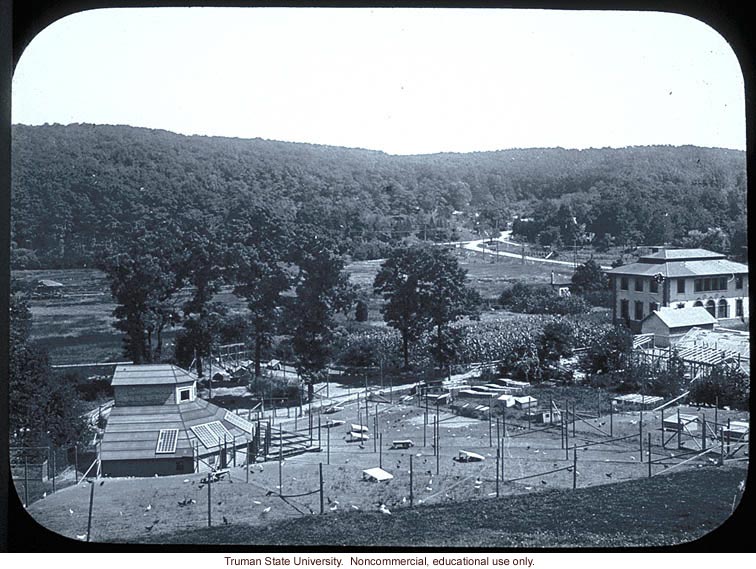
(668, 325)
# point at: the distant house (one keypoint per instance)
(561, 285)
(669, 324)
(158, 425)
(680, 278)
(47, 288)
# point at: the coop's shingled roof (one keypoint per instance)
(132, 432)
(157, 374)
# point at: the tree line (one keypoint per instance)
(75, 187)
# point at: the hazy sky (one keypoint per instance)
(404, 81)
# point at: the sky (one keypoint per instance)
(404, 81)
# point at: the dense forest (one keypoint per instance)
(77, 187)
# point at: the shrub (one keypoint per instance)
(723, 384)
(361, 311)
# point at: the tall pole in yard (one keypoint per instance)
(640, 438)
(209, 500)
(574, 466)
(649, 455)
(246, 468)
(490, 434)
(574, 418)
(721, 446)
(320, 471)
(679, 430)
(26, 479)
(438, 449)
(76, 462)
(497, 471)
(380, 452)
(89, 516)
(703, 432)
(52, 453)
(412, 472)
(611, 420)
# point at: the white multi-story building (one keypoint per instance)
(680, 278)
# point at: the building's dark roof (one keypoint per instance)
(132, 432)
(681, 268)
(683, 317)
(157, 374)
(683, 255)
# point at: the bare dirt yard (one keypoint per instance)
(534, 460)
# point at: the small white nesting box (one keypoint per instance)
(526, 402)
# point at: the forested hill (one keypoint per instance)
(77, 186)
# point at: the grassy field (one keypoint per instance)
(488, 275)
(135, 510)
(660, 511)
(78, 327)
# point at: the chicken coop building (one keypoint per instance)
(158, 425)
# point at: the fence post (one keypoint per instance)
(411, 484)
(319, 446)
(679, 430)
(721, 446)
(52, 456)
(76, 462)
(611, 421)
(703, 432)
(649, 455)
(375, 431)
(380, 452)
(438, 448)
(574, 418)
(233, 444)
(490, 435)
(320, 472)
(91, 501)
(504, 421)
(574, 466)
(328, 445)
(566, 440)
(497, 471)
(26, 480)
(209, 500)
(280, 468)
(640, 437)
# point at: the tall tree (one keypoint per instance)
(257, 250)
(589, 277)
(202, 269)
(398, 282)
(445, 298)
(323, 290)
(144, 274)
